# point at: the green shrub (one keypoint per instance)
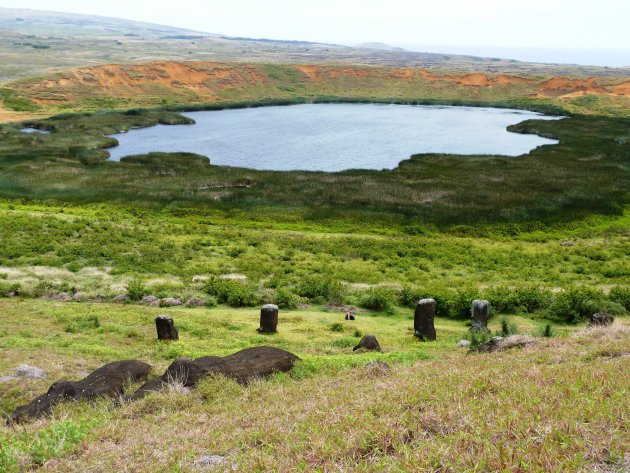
(233, 292)
(321, 289)
(211, 301)
(476, 337)
(546, 331)
(516, 300)
(508, 328)
(44, 288)
(460, 302)
(285, 299)
(84, 323)
(7, 288)
(336, 327)
(621, 296)
(576, 304)
(378, 298)
(136, 289)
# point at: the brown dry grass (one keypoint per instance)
(558, 405)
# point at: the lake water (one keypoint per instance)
(334, 137)
(34, 130)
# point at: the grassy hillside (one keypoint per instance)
(559, 404)
(545, 237)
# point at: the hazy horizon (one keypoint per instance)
(562, 32)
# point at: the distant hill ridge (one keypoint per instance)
(37, 42)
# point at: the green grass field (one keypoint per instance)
(545, 237)
(560, 404)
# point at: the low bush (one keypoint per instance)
(477, 337)
(378, 298)
(336, 327)
(576, 304)
(546, 331)
(136, 289)
(7, 288)
(233, 292)
(514, 300)
(507, 328)
(621, 296)
(321, 289)
(285, 299)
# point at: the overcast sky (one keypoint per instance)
(508, 24)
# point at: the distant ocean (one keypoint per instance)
(616, 58)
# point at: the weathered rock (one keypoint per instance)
(491, 345)
(61, 297)
(210, 461)
(268, 319)
(463, 344)
(170, 302)
(601, 319)
(165, 326)
(424, 320)
(107, 381)
(150, 300)
(377, 368)
(196, 302)
(496, 344)
(368, 342)
(77, 296)
(242, 366)
(120, 298)
(30, 372)
(480, 314)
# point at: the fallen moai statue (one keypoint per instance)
(107, 381)
(243, 366)
(496, 344)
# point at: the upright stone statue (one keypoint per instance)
(424, 320)
(480, 314)
(268, 319)
(166, 329)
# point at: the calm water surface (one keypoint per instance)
(334, 137)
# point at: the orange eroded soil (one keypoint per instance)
(209, 81)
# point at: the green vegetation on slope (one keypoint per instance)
(561, 402)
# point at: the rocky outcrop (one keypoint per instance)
(496, 344)
(150, 300)
(601, 319)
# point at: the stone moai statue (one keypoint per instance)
(423, 320)
(166, 329)
(480, 313)
(268, 319)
